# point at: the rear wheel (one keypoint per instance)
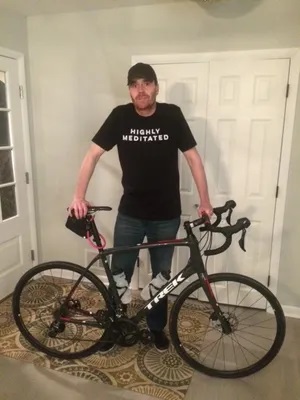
(58, 328)
(255, 316)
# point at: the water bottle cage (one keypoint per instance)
(122, 287)
(154, 287)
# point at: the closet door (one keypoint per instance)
(245, 118)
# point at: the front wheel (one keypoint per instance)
(255, 316)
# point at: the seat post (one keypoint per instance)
(95, 233)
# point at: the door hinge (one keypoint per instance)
(269, 280)
(27, 178)
(21, 92)
(277, 192)
(287, 90)
(32, 255)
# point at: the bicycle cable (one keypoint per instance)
(88, 237)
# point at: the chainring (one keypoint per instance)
(125, 332)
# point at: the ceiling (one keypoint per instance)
(36, 7)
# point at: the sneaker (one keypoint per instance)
(106, 348)
(161, 342)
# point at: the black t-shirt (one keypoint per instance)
(148, 153)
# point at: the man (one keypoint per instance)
(148, 136)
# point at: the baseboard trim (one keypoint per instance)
(291, 311)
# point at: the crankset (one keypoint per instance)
(127, 333)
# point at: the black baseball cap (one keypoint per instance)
(141, 71)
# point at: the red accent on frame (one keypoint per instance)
(209, 287)
(94, 245)
(169, 241)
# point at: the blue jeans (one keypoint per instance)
(131, 231)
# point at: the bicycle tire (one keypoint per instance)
(238, 373)
(16, 307)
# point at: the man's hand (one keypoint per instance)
(80, 207)
(205, 208)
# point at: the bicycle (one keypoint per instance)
(66, 311)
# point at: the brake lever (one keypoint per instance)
(206, 219)
(228, 218)
(242, 240)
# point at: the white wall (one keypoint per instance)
(78, 66)
(13, 32)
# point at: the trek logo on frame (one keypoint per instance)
(172, 285)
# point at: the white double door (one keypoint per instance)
(236, 112)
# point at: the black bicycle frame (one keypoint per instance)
(194, 265)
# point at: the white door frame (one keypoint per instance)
(19, 57)
(294, 55)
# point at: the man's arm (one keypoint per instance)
(79, 203)
(195, 163)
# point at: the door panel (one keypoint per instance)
(14, 213)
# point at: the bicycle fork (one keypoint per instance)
(218, 313)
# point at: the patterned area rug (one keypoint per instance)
(140, 368)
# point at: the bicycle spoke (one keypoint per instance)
(216, 342)
(45, 293)
(249, 316)
(257, 324)
(253, 332)
(217, 353)
(227, 298)
(223, 353)
(250, 341)
(245, 348)
(234, 350)
(238, 305)
(238, 294)
(210, 344)
(242, 349)
(252, 305)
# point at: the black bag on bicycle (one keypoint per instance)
(79, 226)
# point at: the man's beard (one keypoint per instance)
(149, 102)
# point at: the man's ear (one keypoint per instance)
(157, 89)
